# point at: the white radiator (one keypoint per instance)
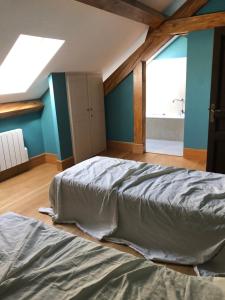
(12, 149)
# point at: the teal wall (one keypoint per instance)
(212, 6)
(199, 69)
(62, 114)
(49, 125)
(47, 131)
(119, 112)
(176, 49)
(55, 118)
(32, 131)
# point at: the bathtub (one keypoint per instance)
(166, 116)
(165, 127)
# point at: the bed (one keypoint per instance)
(41, 262)
(168, 214)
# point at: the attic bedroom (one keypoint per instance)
(112, 142)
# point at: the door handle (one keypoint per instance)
(212, 111)
(212, 114)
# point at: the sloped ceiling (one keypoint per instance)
(161, 5)
(96, 41)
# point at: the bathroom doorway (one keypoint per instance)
(165, 105)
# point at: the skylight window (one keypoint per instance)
(25, 61)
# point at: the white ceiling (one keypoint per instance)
(96, 41)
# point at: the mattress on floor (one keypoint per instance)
(166, 213)
(41, 262)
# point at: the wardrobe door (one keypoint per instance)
(79, 116)
(97, 113)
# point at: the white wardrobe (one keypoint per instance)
(87, 115)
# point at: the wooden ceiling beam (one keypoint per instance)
(153, 43)
(12, 109)
(130, 9)
(185, 25)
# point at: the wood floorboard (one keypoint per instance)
(25, 193)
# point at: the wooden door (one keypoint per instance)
(79, 116)
(216, 137)
(97, 113)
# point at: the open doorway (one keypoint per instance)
(165, 105)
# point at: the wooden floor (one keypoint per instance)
(25, 193)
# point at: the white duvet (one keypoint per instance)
(166, 213)
(40, 262)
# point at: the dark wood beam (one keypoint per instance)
(185, 25)
(130, 9)
(152, 44)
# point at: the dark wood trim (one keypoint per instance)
(36, 161)
(139, 90)
(60, 164)
(120, 146)
(137, 104)
(138, 148)
(51, 158)
(153, 43)
(125, 147)
(185, 25)
(13, 109)
(197, 154)
(144, 88)
(6, 174)
(130, 9)
(65, 164)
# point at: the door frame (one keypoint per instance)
(139, 103)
